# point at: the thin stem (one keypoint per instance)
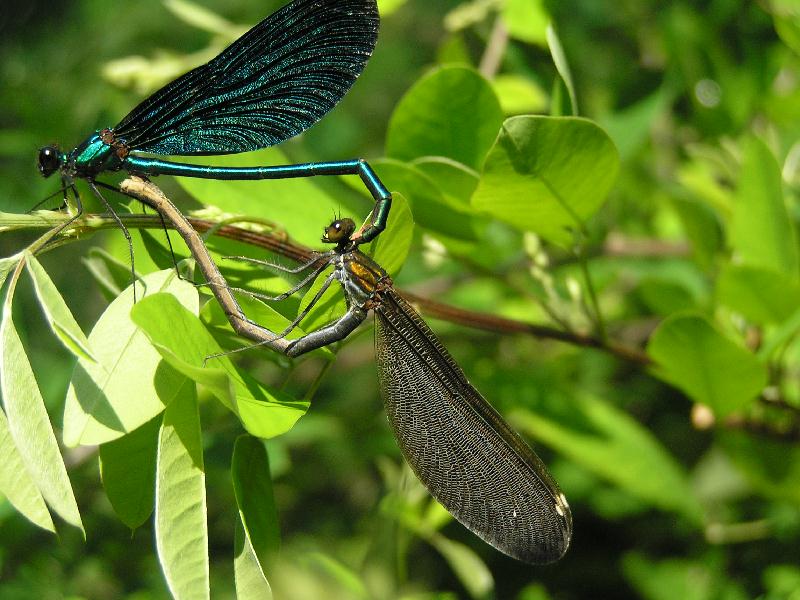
(495, 49)
(497, 324)
(278, 244)
(597, 315)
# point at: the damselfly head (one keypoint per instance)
(339, 231)
(49, 160)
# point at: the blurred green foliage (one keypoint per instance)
(641, 188)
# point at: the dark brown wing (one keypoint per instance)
(467, 456)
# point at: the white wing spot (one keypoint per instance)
(561, 504)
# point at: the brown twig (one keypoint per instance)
(503, 325)
(152, 196)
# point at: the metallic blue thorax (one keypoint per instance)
(93, 156)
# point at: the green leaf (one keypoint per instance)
(252, 485)
(760, 295)
(710, 368)
(631, 127)
(339, 573)
(112, 275)
(772, 467)
(787, 27)
(673, 578)
(665, 297)
(299, 205)
(129, 384)
(259, 312)
(526, 20)
(547, 175)
(452, 112)
(387, 7)
(251, 583)
(779, 336)
(519, 95)
(7, 265)
(702, 227)
(471, 571)
(431, 207)
(456, 181)
(185, 344)
(16, 483)
(562, 66)
(128, 467)
(57, 312)
(619, 449)
(29, 425)
(761, 231)
(180, 519)
(159, 251)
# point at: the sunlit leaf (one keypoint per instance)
(340, 573)
(432, 209)
(452, 112)
(471, 571)
(59, 317)
(180, 519)
(185, 344)
(456, 181)
(526, 20)
(562, 65)
(519, 95)
(129, 384)
(251, 583)
(390, 248)
(112, 275)
(547, 175)
(29, 425)
(298, 204)
(16, 483)
(761, 231)
(760, 295)
(631, 127)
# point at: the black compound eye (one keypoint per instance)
(49, 160)
(339, 230)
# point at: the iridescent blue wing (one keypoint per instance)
(275, 81)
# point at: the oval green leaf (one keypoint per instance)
(762, 232)
(760, 295)
(547, 175)
(452, 112)
(691, 354)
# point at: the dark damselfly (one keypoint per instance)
(457, 444)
